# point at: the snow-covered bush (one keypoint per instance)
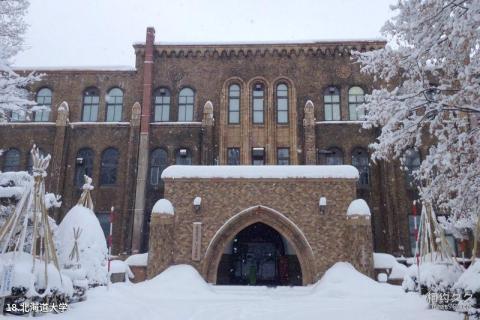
(91, 246)
(468, 289)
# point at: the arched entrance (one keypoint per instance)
(259, 255)
(281, 230)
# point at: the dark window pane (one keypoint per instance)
(360, 161)
(11, 160)
(183, 157)
(83, 166)
(283, 156)
(108, 168)
(158, 163)
(233, 156)
(258, 156)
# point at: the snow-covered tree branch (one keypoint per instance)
(13, 94)
(428, 93)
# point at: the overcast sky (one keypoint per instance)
(101, 32)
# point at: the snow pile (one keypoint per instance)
(358, 207)
(92, 247)
(22, 275)
(470, 279)
(119, 266)
(387, 261)
(140, 259)
(410, 279)
(178, 281)
(163, 206)
(259, 172)
(342, 279)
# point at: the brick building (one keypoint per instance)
(207, 104)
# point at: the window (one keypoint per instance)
(355, 99)
(283, 156)
(11, 160)
(30, 159)
(233, 156)
(234, 104)
(257, 102)
(91, 99)
(161, 105)
(108, 168)
(185, 105)
(332, 156)
(158, 163)
(183, 157)
(18, 116)
(360, 161)
(412, 163)
(44, 99)
(258, 156)
(331, 100)
(282, 103)
(83, 166)
(114, 105)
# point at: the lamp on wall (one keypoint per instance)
(197, 202)
(322, 204)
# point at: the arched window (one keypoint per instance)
(360, 161)
(282, 103)
(11, 160)
(331, 99)
(30, 159)
(331, 156)
(234, 104)
(114, 105)
(108, 168)
(412, 163)
(83, 165)
(258, 100)
(185, 104)
(161, 102)
(355, 99)
(183, 157)
(44, 100)
(158, 163)
(91, 99)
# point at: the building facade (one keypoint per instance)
(199, 104)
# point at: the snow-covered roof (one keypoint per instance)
(358, 207)
(272, 42)
(75, 68)
(163, 206)
(259, 172)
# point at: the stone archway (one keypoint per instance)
(270, 217)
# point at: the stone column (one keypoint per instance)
(160, 251)
(129, 186)
(59, 151)
(142, 165)
(207, 134)
(310, 148)
(360, 243)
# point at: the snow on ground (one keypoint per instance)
(387, 261)
(180, 293)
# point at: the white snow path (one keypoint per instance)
(124, 301)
